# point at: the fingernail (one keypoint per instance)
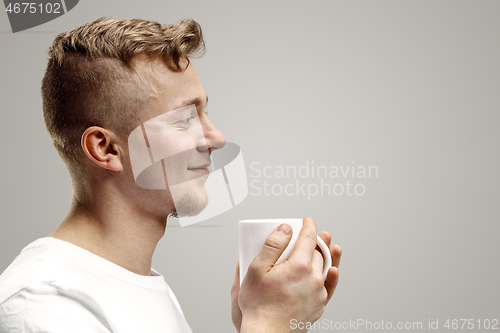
(285, 229)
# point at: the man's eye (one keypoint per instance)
(185, 122)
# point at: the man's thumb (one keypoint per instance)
(274, 246)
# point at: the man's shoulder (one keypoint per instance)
(82, 287)
(38, 263)
(37, 292)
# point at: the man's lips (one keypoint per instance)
(202, 166)
(203, 169)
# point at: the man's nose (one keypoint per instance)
(214, 139)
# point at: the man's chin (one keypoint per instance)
(190, 205)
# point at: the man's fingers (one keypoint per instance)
(273, 248)
(236, 283)
(332, 278)
(331, 282)
(306, 242)
(336, 252)
(318, 262)
(325, 236)
(235, 307)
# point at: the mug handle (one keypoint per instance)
(327, 257)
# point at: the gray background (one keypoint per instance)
(409, 86)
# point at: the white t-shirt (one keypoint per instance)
(57, 287)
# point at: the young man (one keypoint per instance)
(93, 273)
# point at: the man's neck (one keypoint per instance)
(114, 232)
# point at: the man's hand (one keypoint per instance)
(271, 296)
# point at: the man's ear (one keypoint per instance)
(100, 145)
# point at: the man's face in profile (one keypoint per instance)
(178, 135)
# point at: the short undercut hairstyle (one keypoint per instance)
(90, 79)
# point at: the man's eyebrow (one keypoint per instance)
(196, 101)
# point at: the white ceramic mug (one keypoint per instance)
(253, 235)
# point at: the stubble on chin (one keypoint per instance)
(189, 203)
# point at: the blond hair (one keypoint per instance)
(89, 80)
